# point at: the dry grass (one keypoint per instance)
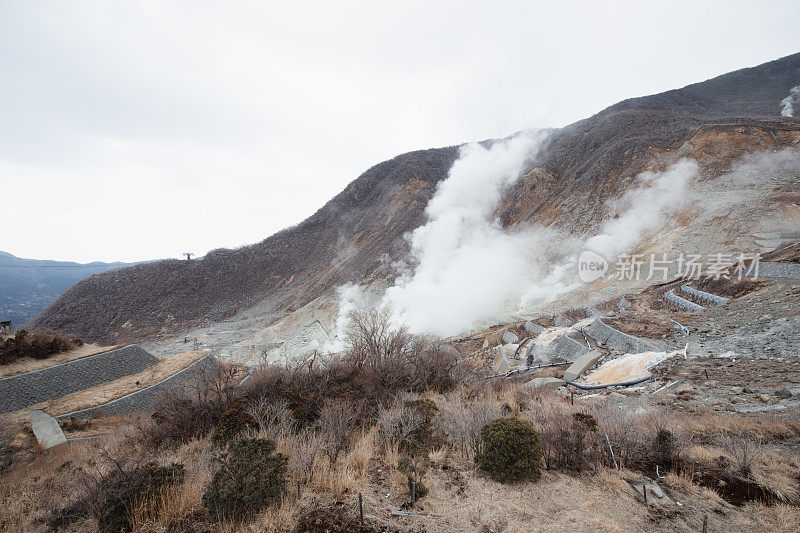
(174, 503)
(460, 496)
(28, 364)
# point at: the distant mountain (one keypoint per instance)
(27, 286)
(359, 232)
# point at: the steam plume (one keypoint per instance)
(642, 208)
(789, 102)
(466, 269)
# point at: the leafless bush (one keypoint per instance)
(193, 411)
(396, 424)
(620, 431)
(337, 420)
(301, 461)
(391, 359)
(379, 363)
(569, 439)
(274, 418)
(214, 384)
(460, 420)
(744, 449)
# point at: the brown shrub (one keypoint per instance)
(39, 344)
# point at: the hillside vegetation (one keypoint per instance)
(426, 445)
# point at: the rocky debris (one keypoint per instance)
(783, 394)
(545, 383)
(46, 429)
(591, 312)
(767, 398)
(582, 364)
(509, 337)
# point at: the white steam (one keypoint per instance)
(643, 208)
(350, 299)
(467, 269)
(464, 265)
(790, 101)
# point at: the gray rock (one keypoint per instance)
(620, 341)
(783, 394)
(509, 337)
(582, 364)
(737, 390)
(562, 321)
(544, 383)
(46, 430)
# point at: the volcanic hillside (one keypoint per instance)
(353, 235)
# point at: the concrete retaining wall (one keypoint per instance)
(682, 303)
(781, 271)
(565, 349)
(703, 296)
(23, 390)
(620, 341)
(144, 399)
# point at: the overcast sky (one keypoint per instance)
(140, 130)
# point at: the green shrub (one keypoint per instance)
(423, 438)
(248, 480)
(511, 450)
(414, 469)
(588, 420)
(233, 421)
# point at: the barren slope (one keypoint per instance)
(350, 237)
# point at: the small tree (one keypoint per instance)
(250, 478)
(511, 450)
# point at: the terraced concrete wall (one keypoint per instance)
(144, 399)
(24, 390)
(620, 341)
(787, 271)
